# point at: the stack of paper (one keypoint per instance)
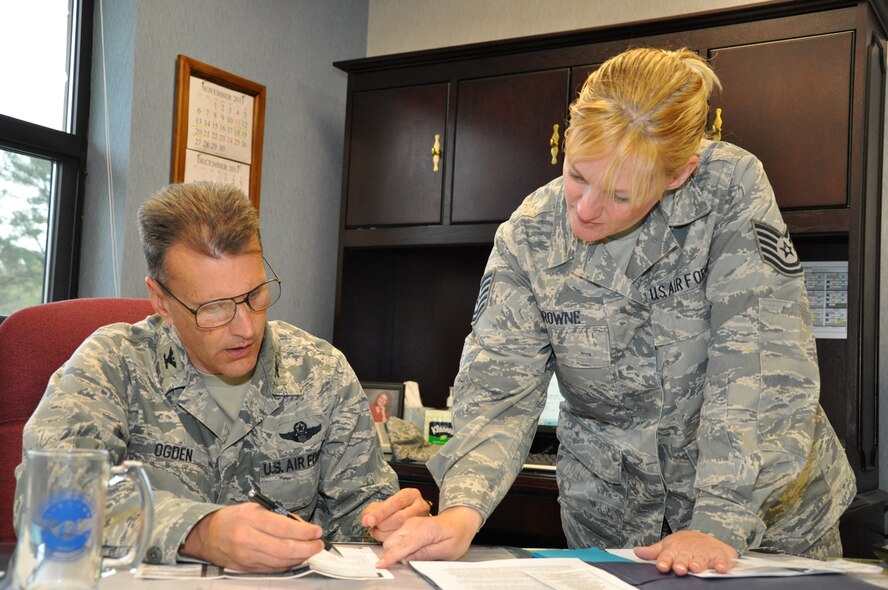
(755, 565)
(557, 573)
(349, 563)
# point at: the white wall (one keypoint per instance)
(287, 45)
(396, 26)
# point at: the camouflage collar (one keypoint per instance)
(654, 242)
(183, 384)
(269, 363)
(689, 203)
(176, 370)
(685, 205)
(596, 265)
(170, 356)
(562, 243)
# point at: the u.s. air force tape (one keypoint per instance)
(483, 294)
(776, 249)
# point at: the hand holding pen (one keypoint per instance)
(246, 536)
(256, 496)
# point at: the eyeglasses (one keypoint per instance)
(219, 312)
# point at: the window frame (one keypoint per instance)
(68, 150)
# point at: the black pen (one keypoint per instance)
(269, 504)
(256, 496)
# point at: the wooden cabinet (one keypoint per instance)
(804, 88)
(508, 138)
(803, 144)
(509, 132)
(392, 176)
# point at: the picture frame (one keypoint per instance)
(393, 404)
(218, 127)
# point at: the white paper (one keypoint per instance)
(517, 574)
(627, 554)
(755, 564)
(193, 571)
(351, 563)
(588, 578)
(777, 565)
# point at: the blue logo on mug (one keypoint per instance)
(63, 522)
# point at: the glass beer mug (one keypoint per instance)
(62, 514)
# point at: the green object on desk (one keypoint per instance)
(589, 554)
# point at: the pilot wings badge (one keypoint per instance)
(301, 432)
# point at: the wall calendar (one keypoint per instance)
(218, 127)
(827, 285)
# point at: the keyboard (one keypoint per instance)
(540, 462)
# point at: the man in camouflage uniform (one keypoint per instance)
(215, 400)
(667, 298)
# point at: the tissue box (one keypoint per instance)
(438, 426)
(416, 416)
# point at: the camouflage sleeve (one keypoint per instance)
(353, 470)
(760, 403)
(500, 389)
(85, 406)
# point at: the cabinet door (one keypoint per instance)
(789, 103)
(392, 178)
(578, 76)
(504, 126)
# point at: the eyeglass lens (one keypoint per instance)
(219, 313)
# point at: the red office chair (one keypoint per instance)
(36, 341)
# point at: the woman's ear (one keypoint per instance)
(683, 173)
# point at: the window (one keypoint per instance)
(44, 110)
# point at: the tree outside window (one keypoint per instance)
(25, 184)
(44, 109)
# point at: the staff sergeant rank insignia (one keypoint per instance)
(483, 294)
(776, 249)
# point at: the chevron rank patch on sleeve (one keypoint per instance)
(776, 249)
(483, 294)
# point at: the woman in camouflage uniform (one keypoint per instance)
(657, 281)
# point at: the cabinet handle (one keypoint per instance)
(436, 152)
(717, 125)
(553, 144)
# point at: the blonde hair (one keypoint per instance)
(212, 219)
(648, 108)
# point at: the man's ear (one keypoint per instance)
(683, 173)
(158, 300)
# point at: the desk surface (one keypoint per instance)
(404, 578)
(644, 575)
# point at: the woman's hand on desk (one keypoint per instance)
(249, 538)
(689, 551)
(384, 518)
(446, 536)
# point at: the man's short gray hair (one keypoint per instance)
(209, 218)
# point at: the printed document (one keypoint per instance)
(348, 563)
(760, 565)
(557, 573)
